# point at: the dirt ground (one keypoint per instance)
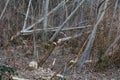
(16, 58)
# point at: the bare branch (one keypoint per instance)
(25, 21)
(4, 9)
(68, 38)
(45, 20)
(55, 29)
(41, 19)
(71, 37)
(92, 38)
(68, 18)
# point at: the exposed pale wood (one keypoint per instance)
(48, 53)
(68, 38)
(71, 37)
(17, 78)
(73, 62)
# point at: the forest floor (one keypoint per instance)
(17, 58)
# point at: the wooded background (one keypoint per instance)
(89, 29)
